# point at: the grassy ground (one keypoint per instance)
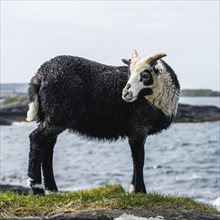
(106, 197)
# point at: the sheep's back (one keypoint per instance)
(85, 96)
(62, 92)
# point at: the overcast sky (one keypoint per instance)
(33, 32)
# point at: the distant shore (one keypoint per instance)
(199, 93)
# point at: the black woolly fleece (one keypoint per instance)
(86, 97)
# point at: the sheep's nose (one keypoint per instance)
(128, 86)
(125, 90)
(126, 94)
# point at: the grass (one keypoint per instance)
(15, 99)
(105, 197)
(11, 100)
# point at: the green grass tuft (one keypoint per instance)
(105, 197)
(15, 99)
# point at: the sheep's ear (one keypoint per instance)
(126, 61)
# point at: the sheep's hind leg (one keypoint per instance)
(47, 167)
(137, 149)
(38, 139)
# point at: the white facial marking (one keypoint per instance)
(136, 86)
(137, 66)
(165, 95)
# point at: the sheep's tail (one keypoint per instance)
(33, 96)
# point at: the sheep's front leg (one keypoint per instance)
(137, 151)
(38, 141)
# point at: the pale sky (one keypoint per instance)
(33, 32)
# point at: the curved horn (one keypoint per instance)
(152, 59)
(134, 54)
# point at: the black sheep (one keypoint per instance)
(102, 102)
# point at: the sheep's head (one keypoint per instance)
(141, 76)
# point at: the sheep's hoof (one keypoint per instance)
(38, 191)
(37, 188)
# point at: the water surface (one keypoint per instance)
(182, 160)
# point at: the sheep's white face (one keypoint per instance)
(149, 78)
(141, 79)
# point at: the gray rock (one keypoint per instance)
(194, 113)
(5, 121)
(15, 109)
(16, 189)
(13, 112)
(108, 214)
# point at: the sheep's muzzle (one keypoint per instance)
(127, 95)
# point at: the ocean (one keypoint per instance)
(184, 160)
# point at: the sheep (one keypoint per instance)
(99, 102)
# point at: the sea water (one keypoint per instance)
(184, 160)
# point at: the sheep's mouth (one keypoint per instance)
(132, 99)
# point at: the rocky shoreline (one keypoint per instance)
(108, 214)
(16, 112)
(196, 113)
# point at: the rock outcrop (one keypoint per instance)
(195, 113)
(12, 112)
(108, 214)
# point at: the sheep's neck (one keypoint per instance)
(165, 97)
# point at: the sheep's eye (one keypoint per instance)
(146, 78)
